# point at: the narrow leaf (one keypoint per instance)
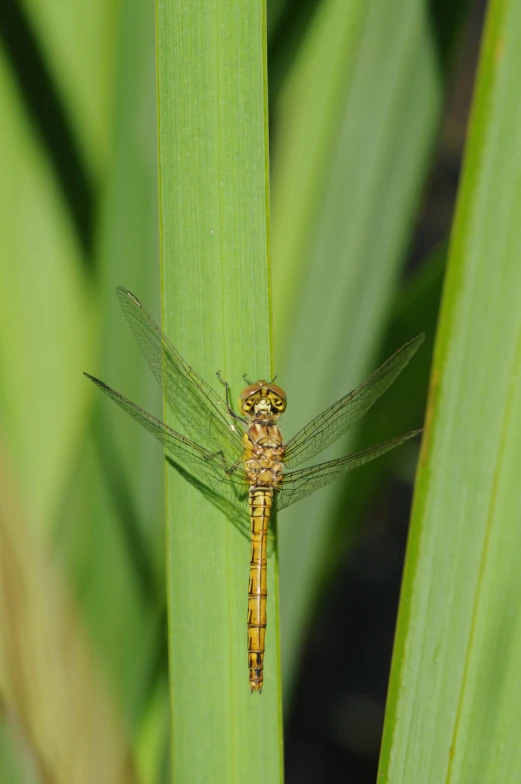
(454, 705)
(214, 221)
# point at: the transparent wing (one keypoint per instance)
(209, 468)
(200, 411)
(238, 516)
(336, 420)
(299, 484)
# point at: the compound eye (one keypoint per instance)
(278, 403)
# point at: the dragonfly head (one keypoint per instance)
(262, 401)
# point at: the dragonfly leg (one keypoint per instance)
(220, 454)
(231, 412)
(221, 379)
(234, 467)
(237, 417)
(227, 388)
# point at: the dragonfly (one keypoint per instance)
(242, 456)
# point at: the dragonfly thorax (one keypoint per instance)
(262, 401)
(265, 438)
(263, 455)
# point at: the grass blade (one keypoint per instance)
(214, 220)
(454, 704)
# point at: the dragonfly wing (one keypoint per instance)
(336, 420)
(237, 514)
(301, 483)
(211, 469)
(202, 412)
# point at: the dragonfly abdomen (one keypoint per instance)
(261, 499)
(263, 454)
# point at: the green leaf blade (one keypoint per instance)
(216, 310)
(453, 705)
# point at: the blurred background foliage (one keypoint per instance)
(368, 108)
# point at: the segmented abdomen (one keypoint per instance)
(261, 499)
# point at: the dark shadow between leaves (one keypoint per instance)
(50, 117)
